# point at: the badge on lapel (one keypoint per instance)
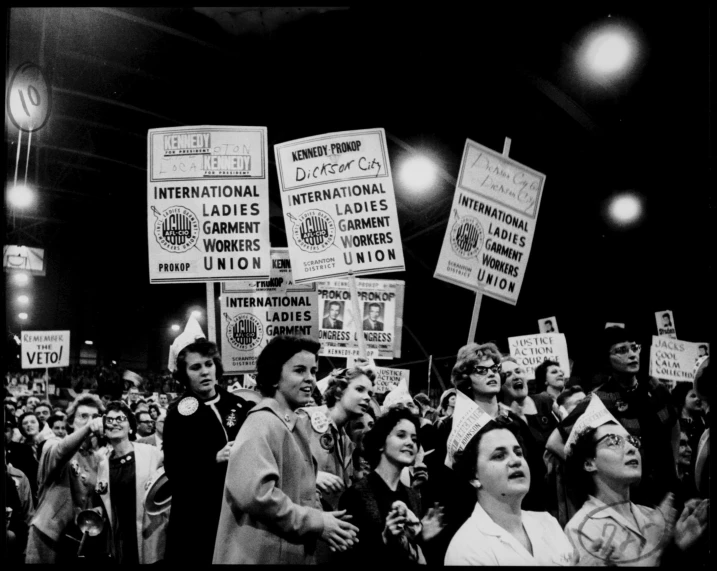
(327, 441)
(188, 406)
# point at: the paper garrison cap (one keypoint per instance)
(397, 395)
(468, 419)
(595, 415)
(133, 377)
(192, 332)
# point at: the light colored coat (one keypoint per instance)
(151, 530)
(270, 510)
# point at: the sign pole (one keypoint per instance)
(479, 295)
(430, 364)
(357, 315)
(211, 317)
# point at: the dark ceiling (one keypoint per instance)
(431, 78)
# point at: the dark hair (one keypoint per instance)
(612, 336)
(154, 406)
(334, 302)
(468, 356)
(580, 482)
(465, 462)
(277, 352)
(205, 349)
(83, 400)
(54, 418)
(567, 393)
(374, 304)
(340, 382)
(44, 403)
(679, 395)
(23, 416)
(375, 439)
(119, 406)
(541, 372)
(423, 401)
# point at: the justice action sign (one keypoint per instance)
(491, 226)
(45, 349)
(207, 204)
(339, 205)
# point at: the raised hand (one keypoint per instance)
(692, 523)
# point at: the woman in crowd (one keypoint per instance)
(690, 411)
(549, 379)
(199, 431)
(447, 404)
(30, 428)
(686, 488)
(122, 485)
(385, 510)
(609, 529)
(58, 425)
(270, 511)
(499, 532)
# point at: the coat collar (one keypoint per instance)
(604, 511)
(269, 403)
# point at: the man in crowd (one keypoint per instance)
(332, 321)
(145, 424)
(163, 401)
(371, 323)
(155, 439)
(642, 405)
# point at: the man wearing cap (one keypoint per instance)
(200, 428)
(640, 404)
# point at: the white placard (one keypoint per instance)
(387, 379)
(45, 349)
(339, 205)
(29, 260)
(675, 360)
(665, 322)
(491, 225)
(531, 350)
(207, 204)
(381, 306)
(255, 311)
(548, 325)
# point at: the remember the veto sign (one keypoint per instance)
(207, 204)
(45, 349)
(491, 225)
(339, 205)
(255, 311)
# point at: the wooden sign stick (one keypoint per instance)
(479, 295)
(357, 315)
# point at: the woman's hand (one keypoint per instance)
(328, 483)
(692, 523)
(432, 522)
(96, 426)
(223, 454)
(338, 532)
(395, 521)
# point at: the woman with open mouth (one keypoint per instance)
(602, 465)
(386, 511)
(499, 531)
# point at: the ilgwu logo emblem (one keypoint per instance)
(176, 229)
(467, 236)
(245, 332)
(314, 230)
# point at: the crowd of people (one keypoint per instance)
(501, 470)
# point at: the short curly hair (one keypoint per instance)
(119, 406)
(277, 352)
(340, 381)
(205, 349)
(541, 372)
(83, 400)
(23, 416)
(580, 482)
(468, 356)
(375, 439)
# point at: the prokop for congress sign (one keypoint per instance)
(492, 223)
(339, 205)
(207, 204)
(45, 349)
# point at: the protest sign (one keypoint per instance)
(29, 260)
(339, 205)
(665, 324)
(45, 349)
(491, 226)
(675, 360)
(531, 350)
(254, 311)
(381, 306)
(207, 204)
(548, 325)
(387, 379)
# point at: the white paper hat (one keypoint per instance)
(397, 395)
(133, 377)
(468, 419)
(323, 384)
(595, 415)
(192, 332)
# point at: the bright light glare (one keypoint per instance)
(610, 51)
(21, 279)
(20, 196)
(23, 299)
(88, 342)
(418, 173)
(625, 209)
(175, 327)
(22, 315)
(196, 314)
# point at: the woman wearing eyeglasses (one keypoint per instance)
(122, 479)
(610, 529)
